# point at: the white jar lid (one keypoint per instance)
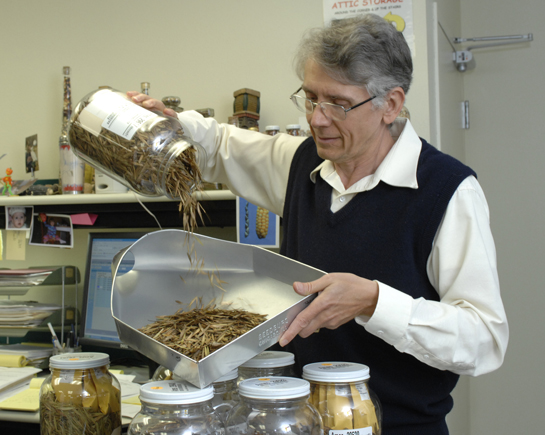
(233, 374)
(292, 126)
(272, 127)
(270, 358)
(335, 371)
(174, 393)
(79, 360)
(274, 387)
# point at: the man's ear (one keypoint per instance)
(394, 103)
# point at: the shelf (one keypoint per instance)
(106, 198)
(123, 210)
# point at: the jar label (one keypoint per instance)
(364, 393)
(115, 114)
(360, 431)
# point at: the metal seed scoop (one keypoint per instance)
(255, 279)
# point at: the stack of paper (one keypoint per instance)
(14, 379)
(19, 355)
(24, 314)
(23, 398)
(23, 277)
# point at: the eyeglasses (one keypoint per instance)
(331, 111)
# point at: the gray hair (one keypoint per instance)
(365, 51)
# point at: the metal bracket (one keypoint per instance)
(465, 115)
(463, 58)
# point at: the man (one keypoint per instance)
(403, 230)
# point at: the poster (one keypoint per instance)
(397, 12)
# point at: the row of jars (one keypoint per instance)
(262, 396)
(291, 129)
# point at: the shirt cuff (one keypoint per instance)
(391, 317)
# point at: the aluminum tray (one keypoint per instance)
(256, 279)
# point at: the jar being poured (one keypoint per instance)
(144, 150)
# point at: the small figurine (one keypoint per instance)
(7, 182)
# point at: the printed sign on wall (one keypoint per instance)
(397, 12)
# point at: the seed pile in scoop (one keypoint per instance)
(200, 331)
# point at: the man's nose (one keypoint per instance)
(318, 117)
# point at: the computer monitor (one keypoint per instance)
(97, 324)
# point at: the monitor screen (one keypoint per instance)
(97, 324)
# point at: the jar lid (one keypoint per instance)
(79, 360)
(292, 126)
(272, 127)
(335, 372)
(174, 393)
(274, 387)
(233, 374)
(270, 358)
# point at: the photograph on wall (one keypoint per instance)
(54, 230)
(31, 154)
(256, 225)
(19, 218)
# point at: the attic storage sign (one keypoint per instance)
(397, 12)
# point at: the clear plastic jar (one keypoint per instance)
(146, 151)
(225, 394)
(275, 405)
(173, 103)
(176, 408)
(266, 364)
(271, 130)
(80, 396)
(294, 130)
(225, 389)
(340, 392)
(162, 374)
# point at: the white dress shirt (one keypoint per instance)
(466, 332)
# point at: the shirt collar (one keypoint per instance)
(398, 167)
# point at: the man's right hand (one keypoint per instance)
(150, 103)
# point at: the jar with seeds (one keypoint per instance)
(225, 389)
(80, 396)
(176, 408)
(275, 405)
(294, 130)
(145, 150)
(225, 394)
(266, 364)
(272, 130)
(341, 393)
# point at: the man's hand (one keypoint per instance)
(150, 103)
(341, 298)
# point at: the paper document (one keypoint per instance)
(10, 377)
(26, 400)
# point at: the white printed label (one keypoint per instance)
(66, 376)
(361, 431)
(364, 393)
(118, 115)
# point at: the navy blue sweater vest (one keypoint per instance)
(384, 234)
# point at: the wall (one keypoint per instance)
(199, 51)
(505, 146)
